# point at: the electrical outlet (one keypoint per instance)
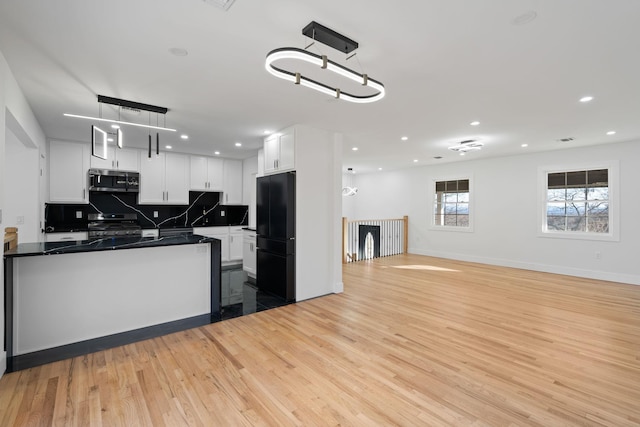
(155, 214)
(78, 214)
(20, 220)
(221, 213)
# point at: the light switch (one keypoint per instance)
(155, 214)
(78, 214)
(20, 220)
(221, 213)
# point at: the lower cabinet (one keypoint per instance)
(249, 253)
(230, 241)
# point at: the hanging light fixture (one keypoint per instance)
(337, 41)
(350, 190)
(128, 104)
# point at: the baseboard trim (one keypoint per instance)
(545, 268)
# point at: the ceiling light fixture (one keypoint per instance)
(183, 136)
(354, 149)
(351, 189)
(332, 39)
(404, 138)
(476, 123)
(524, 145)
(238, 144)
(467, 145)
(217, 153)
(586, 99)
(129, 105)
(611, 132)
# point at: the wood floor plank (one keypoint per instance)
(413, 340)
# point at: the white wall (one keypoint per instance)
(318, 210)
(25, 127)
(22, 207)
(510, 237)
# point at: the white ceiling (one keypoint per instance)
(444, 64)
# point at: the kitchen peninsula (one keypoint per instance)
(65, 299)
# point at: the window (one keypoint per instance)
(451, 203)
(579, 203)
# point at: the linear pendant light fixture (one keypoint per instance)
(337, 41)
(128, 104)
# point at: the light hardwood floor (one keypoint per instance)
(412, 341)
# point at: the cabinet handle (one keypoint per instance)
(117, 163)
(84, 191)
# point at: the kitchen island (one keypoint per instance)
(64, 299)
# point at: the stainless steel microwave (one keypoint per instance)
(114, 181)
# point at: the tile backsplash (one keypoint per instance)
(204, 210)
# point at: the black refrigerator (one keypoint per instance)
(276, 232)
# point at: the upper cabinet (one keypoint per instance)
(279, 152)
(118, 159)
(68, 167)
(164, 179)
(232, 185)
(206, 173)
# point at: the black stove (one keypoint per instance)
(113, 225)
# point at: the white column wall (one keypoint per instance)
(14, 105)
(318, 212)
(504, 236)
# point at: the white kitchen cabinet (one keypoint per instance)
(118, 159)
(232, 188)
(220, 233)
(249, 261)
(236, 240)
(206, 173)
(64, 237)
(279, 152)
(68, 168)
(164, 179)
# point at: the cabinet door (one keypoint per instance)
(176, 179)
(271, 153)
(68, 167)
(287, 160)
(108, 163)
(249, 254)
(127, 160)
(199, 180)
(232, 182)
(215, 172)
(152, 180)
(235, 246)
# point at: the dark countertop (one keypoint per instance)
(249, 229)
(106, 244)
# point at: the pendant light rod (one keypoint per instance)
(132, 104)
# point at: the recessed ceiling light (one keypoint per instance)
(379, 169)
(524, 145)
(267, 132)
(110, 139)
(168, 147)
(238, 144)
(611, 132)
(354, 149)
(183, 136)
(217, 153)
(462, 154)
(415, 160)
(586, 99)
(178, 51)
(476, 123)
(404, 138)
(115, 126)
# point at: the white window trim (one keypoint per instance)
(614, 201)
(472, 210)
